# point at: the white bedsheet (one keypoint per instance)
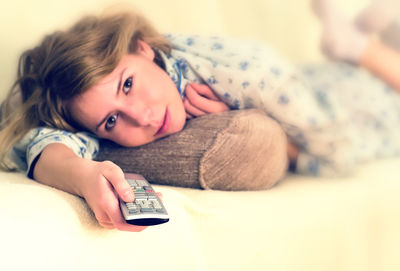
(301, 224)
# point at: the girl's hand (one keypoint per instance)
(201, 100)
(101, 184)
(105, 184)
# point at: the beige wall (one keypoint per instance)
(288, 24)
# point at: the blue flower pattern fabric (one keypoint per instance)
(32, 144)
(338, 114)
(318, 106)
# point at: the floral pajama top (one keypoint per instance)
(338, 115)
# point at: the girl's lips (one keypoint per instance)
(164, 125)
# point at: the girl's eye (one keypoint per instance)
(127, 85)
(110, 123)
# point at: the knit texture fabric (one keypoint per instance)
(234, 150)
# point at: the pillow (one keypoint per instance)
(233, 150)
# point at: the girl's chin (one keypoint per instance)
(179, 127)
(175, 129)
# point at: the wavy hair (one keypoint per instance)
(65, 64)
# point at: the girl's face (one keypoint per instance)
(136, 104)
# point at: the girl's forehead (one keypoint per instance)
(128, 61)
(110, 78)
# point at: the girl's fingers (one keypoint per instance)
(107, 225)
(204, 104)
(192, 110)
(115, 186)
(204, 90)
(198, 102)
(116, 177)
(110, 215)
(120, 223)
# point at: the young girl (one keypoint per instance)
(115, 77)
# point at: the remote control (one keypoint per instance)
(147, 209)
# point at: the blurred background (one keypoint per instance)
(288, 25)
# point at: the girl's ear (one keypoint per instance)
(145, 49)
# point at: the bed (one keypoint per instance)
(302, 223)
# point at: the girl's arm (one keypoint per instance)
(98, 182)
(382, 61)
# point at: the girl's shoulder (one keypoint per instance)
(186, 42)
(222, 51)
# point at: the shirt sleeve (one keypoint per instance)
(25, 153)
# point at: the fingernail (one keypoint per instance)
(129, 196)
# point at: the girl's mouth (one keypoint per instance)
(165, 124)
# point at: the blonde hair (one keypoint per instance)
(65, 64)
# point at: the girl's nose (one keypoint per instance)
(140, 115)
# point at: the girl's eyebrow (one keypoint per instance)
(116, 94)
